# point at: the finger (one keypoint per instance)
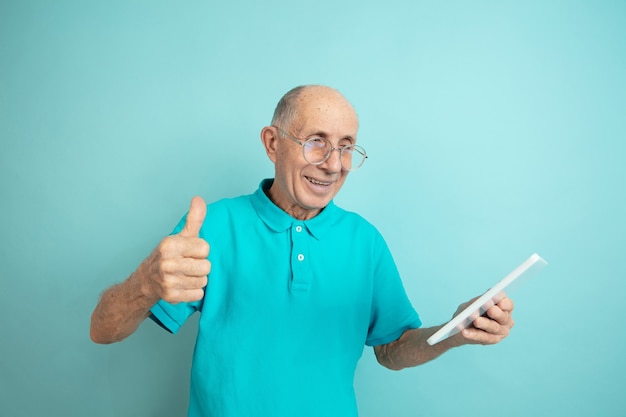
(187, 267)
(173, 283)
(497, 314)
(193, 295)
(197, 248)
(178, 246)
(492, 327)
(184, 296)
(195, 218)
(506, 304)
(193, 283)
(477, 336)
(486, 324)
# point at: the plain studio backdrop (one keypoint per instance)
(494, 130)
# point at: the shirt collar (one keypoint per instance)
(278, 220)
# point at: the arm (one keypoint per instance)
(120, 311)
(411, 348)
(176, 271)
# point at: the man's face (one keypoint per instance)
(302, 189)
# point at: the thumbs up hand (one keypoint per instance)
(177, 270)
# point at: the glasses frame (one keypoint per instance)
(303, 142)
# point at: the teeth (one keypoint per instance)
(317, 182)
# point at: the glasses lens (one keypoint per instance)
(316, 150)
(352, 157)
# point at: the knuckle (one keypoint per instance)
(167, 265)
(194, 295)
(165, 245)
(204, 247)
(169, 295)
(170, 283)
(206, 267)
(198, 294)
(204, 281)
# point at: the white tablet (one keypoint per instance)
(496, 293)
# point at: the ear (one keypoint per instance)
(270, 139)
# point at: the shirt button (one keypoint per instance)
(298, 229)
(301, 257)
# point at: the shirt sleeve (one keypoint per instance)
(392, 312)
(172, 316)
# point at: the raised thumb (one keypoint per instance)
(195, 218)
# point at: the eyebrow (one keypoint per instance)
(325, 135)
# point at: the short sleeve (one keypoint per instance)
(172, 316)
(391, 311)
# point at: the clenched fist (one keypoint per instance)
(177, 270)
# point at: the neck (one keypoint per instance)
(290, 207)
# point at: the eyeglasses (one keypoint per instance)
(316, 150)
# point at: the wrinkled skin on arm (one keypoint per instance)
(411, 348)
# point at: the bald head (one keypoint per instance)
(301, 100)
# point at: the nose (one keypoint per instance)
(333, 163)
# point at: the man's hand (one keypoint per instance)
(411, 349)
(491, 327)
(177, 270)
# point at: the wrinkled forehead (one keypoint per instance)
(327, 110)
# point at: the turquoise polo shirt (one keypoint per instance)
(287, 310)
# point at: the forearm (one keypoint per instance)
(120, 311)
(411, 349)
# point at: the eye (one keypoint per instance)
(316, 142)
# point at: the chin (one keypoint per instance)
(314, 202)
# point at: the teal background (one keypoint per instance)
(495, 130)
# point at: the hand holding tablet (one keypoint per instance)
(496, 293)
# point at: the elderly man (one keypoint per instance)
(291, 287)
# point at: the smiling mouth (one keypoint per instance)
(317, 182)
